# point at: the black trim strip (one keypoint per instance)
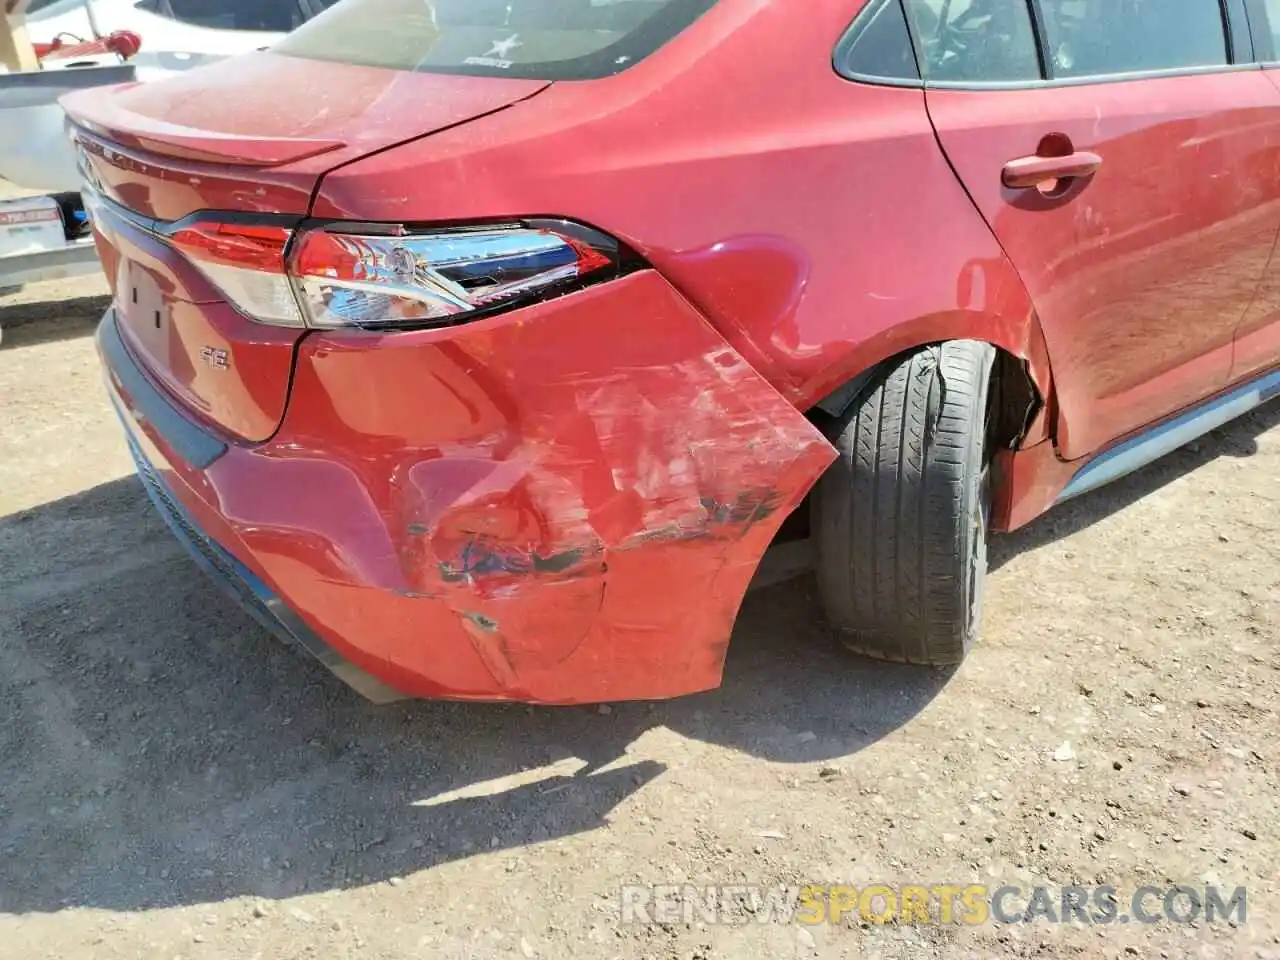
(1258, 21)
(146, 403)
(1041, 31)
(1240, 44)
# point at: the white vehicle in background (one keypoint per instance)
(209, 27)
(47, 237)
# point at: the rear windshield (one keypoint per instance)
(546, 39)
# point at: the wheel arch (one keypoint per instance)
(1023, 380)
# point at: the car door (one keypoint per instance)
(1123, 153)
(1258, 336)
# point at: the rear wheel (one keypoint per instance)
(900, 521)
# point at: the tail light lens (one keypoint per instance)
(330, 277)
(246, 263)
(347, 279)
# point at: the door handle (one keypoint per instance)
(1027, 173)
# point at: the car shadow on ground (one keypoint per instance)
(29, 324)
(158, 749)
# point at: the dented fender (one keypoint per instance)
(565, 504)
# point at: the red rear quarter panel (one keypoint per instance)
(812, 219)
(539, 506)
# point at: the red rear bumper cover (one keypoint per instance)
(563, 504)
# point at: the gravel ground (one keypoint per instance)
(173, 783)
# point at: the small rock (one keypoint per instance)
(605, 709)
(396, 881)
(1100, 835)
(260, 910)
(337, 926)
(1182, 790)
(1214, 785)
(1236, 753)
(829, 773)
(771, 835)
(1117, 765)
(1158, 708)
(807, 737)
(1249, 834)
(494, 843)
(1064, 754)
(199, 938)
(1202, 704)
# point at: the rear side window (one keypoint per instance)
(1270, 13)
(547, 39)
(878, 46)
(975, 41)
(1097, 37)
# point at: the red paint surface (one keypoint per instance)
(169, 313)
(565, 503)
(540, 506)
(1141, 274)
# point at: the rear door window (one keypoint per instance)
(543, 39)
(974, 41)
(1088, 38)
(1264, 16)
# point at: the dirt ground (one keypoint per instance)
(173, 783)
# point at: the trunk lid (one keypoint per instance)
(252, 135)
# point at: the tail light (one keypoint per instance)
(335, 277)
(246, 263)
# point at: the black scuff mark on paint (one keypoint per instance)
(480, 559)
(719, 520)
(487, 624)
(747, 508)
(557, 563)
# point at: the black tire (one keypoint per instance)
(900, 520)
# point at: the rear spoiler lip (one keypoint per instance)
(95, 111)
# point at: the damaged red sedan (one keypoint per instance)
(483, 347)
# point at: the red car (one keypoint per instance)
(482, 347)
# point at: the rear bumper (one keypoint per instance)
(137, 402)
(531, 508)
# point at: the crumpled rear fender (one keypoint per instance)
(561, 504)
